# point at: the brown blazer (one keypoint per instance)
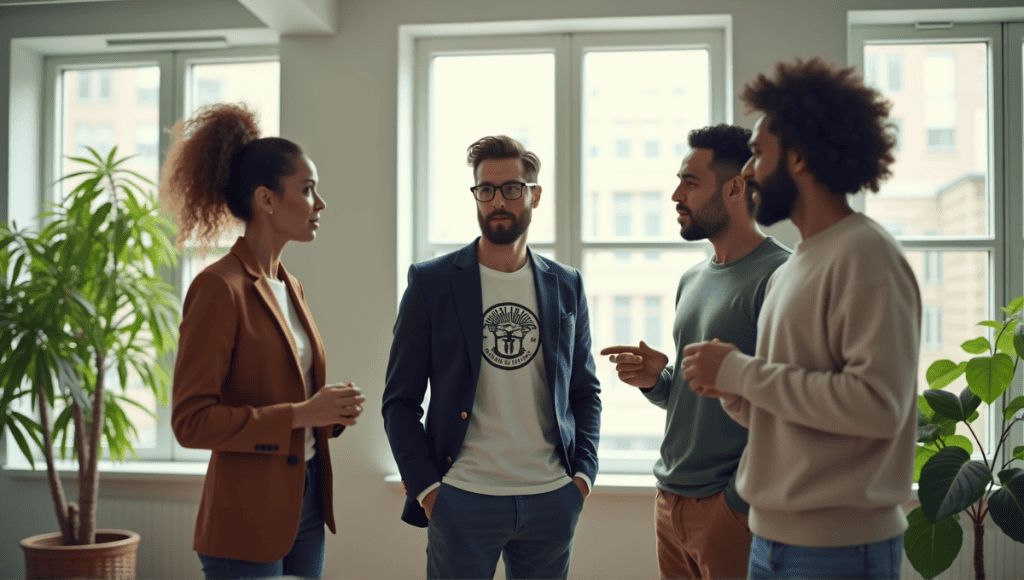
(235, 379)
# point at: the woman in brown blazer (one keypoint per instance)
(249, 380)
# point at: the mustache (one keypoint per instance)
(681, 207)
(753, 185)
(501, 213)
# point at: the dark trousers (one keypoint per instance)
(532, 533)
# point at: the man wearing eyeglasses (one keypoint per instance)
(509, 448)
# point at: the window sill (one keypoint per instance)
(628, 484)
(151, 471)
(631, 484)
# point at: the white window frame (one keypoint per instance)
(1005, 244)
(174, 103)
(568, 40)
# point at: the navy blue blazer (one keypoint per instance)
(437, 339)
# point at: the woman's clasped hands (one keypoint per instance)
(338, 404)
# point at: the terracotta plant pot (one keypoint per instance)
(111, 557)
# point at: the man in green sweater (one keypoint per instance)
(830, 395)
(701, 521)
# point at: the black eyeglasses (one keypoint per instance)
(511, 190)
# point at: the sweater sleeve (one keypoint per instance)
(738, 409)
(658, 394)
(875, 333)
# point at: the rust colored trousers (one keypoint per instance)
(700, 538)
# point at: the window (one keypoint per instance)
(933, 268)
(104, 138)
(623, 320)
(871, 69)
(947, 198)
(894, 71)
(623, 214)
(931, 332)
(105, 86)
(653, 317)
(622, 148)
(940, 97)
(654, 213)
(147, 86)
(616, 221)
(82, 140)
(146, 137)
(898, 132)
(208, 90)
(132, 122)
(84, 86)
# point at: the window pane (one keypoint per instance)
(633, 101)
(257, 84)
(467, 103)
(630, 300)
(111, 120)
(954, 298)
(940, 178)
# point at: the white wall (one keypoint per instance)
(339, 101)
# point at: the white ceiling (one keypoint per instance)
(280, 16)
(26, 2)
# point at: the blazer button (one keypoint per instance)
(464, 415)
(292, 460)
(448, 459)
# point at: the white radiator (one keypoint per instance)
(165, 550)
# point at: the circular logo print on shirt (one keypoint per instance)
(511, 335)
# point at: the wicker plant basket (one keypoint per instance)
(111, 557)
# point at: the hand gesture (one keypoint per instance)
(332, 405)
(701, 362)
(637, 366)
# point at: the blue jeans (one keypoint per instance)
(878, 561)
(533, 533)
(306, 558)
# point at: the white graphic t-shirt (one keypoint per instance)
(510, 445)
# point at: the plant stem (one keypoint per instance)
(1002, 439)
(980, 447)
(81, 442)
(56, 489)
(89, 492)
(979, 547)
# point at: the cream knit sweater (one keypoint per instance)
(830, 398)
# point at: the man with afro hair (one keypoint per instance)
(829, 397)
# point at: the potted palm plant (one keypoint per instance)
(951, 482)
(82, 303)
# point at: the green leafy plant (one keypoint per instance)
(951, 482)
(82, 298)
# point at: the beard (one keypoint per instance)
(778, 196)
(709, 220)
(500, 234)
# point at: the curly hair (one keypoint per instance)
(214, 164)
(728, 145)
(503, 147)
(836, 122)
